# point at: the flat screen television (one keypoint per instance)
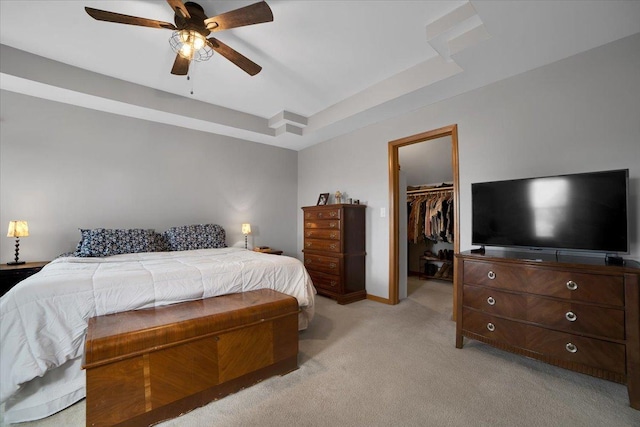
(584, 212)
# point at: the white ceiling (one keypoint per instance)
(329, 67)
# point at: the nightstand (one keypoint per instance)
(12, 274)
(269, 251)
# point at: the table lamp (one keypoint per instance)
(246, 230)
(17, 229)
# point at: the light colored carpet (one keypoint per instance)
(369, 364)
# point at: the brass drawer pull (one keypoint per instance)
(571, 285)
(332, 265)
(332, 246)
(491, 275)
(319, 214)
(333, 213)
(571, 348)
(308, 244)
(309, 233)
(333, 283)
(571, 316)
(307, 261)
(491, 327)
(333, 235)
(491, 301)
(332, 225)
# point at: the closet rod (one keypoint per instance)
(430, 190)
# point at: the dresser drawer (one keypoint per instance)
(320, 233)
(496, 302)
(574, 348)
(563, 315)
(322, 245)
(322, 263)
(494, 328)
(322, 223)
(576, 318)
(326, 281)
(323, 214)
(595, 288)
(592, 352)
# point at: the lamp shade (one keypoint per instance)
(18, 229)
(246, 229)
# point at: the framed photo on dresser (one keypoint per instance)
(323, 199)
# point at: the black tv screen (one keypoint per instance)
(585, 211)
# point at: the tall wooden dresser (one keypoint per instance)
(573, 312)
(334, 250)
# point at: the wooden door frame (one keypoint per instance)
(394, 182)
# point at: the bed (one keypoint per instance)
(43, 319)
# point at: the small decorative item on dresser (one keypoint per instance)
(338, 196)
(17, 229)
(323, 199)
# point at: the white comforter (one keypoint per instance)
(43, 319)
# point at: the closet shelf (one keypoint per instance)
(444, 271)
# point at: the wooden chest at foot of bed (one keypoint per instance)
(150, 365)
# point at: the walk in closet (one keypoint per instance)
(430, 230)
(426, 177)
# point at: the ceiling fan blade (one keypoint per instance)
(256, 13)
(237, 58)
(179, 8)
(103, 15)
(180, 66)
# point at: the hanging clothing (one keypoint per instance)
(430, 216)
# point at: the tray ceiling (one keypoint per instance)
(329, 67)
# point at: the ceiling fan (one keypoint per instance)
(189, 39)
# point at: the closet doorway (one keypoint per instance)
(398, 202)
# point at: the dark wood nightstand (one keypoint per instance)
(269, 251)
(12, 274)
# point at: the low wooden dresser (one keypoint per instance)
(334, 250)
(149, 365)
(574, 312)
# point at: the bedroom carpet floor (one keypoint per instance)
(370, 364)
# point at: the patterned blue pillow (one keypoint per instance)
(199, 236)
(101, 242)
(160, 243)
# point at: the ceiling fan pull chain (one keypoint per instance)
(191, 81)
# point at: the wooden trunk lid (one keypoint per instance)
(122, 335)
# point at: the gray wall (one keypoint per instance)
(427, 162)
(64, 167)
(576, 115)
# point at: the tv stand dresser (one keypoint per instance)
(574, 312)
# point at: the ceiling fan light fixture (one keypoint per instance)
(190, 45)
